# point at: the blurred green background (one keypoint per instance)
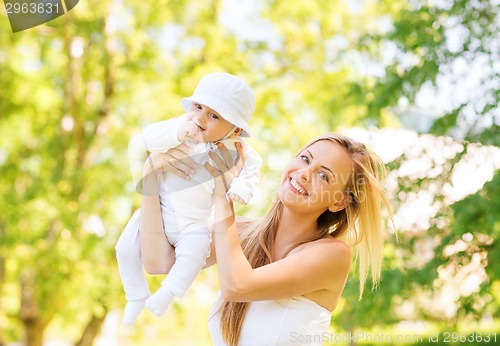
(418, 81)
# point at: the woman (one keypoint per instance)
(282, 276)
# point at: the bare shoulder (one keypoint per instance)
(332, 256)
(330, 251)
(333, 243)
(327, 244)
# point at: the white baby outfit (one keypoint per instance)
(185, 206)
(285, 322)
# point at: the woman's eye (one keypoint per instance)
(323, 176)
(304, 158)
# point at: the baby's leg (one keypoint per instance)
(191, 250)
(128, 255)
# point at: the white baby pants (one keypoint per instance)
(186, 228)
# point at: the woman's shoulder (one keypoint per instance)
(332, 248)
(328, 242)
(338, 246)
(331, 241)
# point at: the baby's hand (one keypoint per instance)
(188, 131)
(235, 198)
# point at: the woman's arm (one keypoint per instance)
(212, 258)
(320, 265)
(156, 253)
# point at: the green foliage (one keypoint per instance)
(75, 90)
(474, 214)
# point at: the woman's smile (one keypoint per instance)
(296, 187)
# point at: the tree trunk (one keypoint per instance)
(2, 275)
(34, 333)
(34, 324)
(92, 329)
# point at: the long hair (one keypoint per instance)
(359, 224)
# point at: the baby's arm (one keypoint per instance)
(242, 187)
(189, 131)
(155, 138)
(167, 134)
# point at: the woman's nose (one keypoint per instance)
(305, 174)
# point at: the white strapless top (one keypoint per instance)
(294, 321)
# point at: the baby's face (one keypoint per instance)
(213, 127)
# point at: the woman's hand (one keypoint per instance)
(226, 168)
(175, 160)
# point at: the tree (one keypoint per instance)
(56, 171)
(75, 90)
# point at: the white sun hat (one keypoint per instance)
(226, 94)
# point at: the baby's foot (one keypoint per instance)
(159, 301)
(132, 311)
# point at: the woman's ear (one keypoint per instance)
(338, 206)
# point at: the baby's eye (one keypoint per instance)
(197, 105)
(304, 158)
(214, 116)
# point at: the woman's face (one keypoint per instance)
(315, 179)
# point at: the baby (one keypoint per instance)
(218, 111)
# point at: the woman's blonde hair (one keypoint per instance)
(359, 224)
